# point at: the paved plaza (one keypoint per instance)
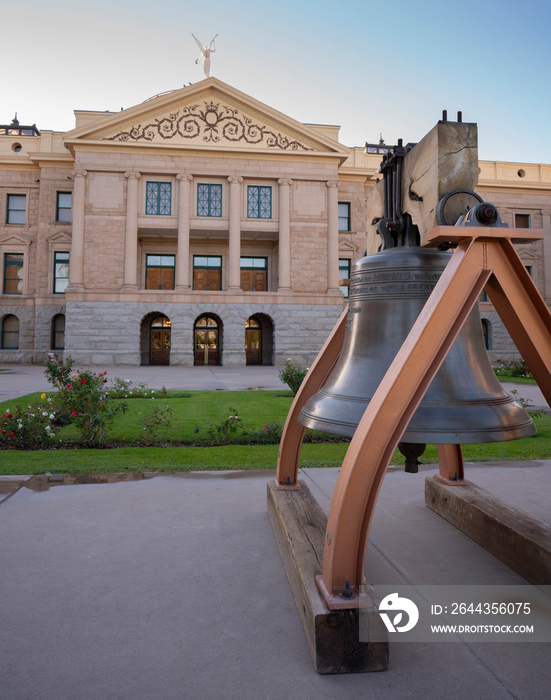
(172, 586)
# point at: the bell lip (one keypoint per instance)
(515, 431)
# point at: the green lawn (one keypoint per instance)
(203, 408)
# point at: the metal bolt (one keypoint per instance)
(347, 594)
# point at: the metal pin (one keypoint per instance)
(347, 594)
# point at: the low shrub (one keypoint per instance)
(157, 426)
(293, 375)
(32, 427)
(512, 368)
(83, 398)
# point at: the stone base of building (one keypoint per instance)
(126, 333)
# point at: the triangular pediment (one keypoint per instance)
(59, 237)
(16, 239)
(207, 115)
(346, 247)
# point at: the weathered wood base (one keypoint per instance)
(333, 635)
(511, 535)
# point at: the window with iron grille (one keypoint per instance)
(158, 198)
(63, 209)
(259, 202)
(17, 205)
(209, 200)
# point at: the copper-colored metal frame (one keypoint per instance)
(484, 259)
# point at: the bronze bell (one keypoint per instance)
(465, 402)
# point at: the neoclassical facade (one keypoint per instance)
(199, 227)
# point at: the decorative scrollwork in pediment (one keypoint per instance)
(214, 123)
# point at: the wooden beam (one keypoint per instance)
(508, 533)
(332, 635)
(446, 159)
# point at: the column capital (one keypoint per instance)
(545, 212)
(332, 183)
(184, 177)
(285, 182)
(132, 175)
(79, 173)
(233, 179)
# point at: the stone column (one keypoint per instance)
(184, 214)
(131, 239)
(332, 237)
(76, 258)
(284, 236)
(234, 272)
(546, 225)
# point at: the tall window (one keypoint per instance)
(209, 200)
(58, 332)
(207, 272)
(61, 272)
(158, 198)
(254, 274)
(63, 207)
(344, 274)
(10, 333)
(259, 202)
(522, 220)
(159, 271)
(344, 216)
(13, 273)
(17, 204)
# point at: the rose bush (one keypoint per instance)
(82, 396)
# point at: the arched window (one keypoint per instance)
(58, 332)
(486, 333)
(10, 333)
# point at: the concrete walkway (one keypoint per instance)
(173, 587)
(18, 380)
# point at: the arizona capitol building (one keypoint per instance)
(201, 227)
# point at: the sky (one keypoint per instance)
(373, 67)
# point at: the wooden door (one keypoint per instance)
(206, 346)
(253, 280)
(159, 346)
(253, 346)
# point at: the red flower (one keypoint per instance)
(73, 414)
(11, 435)
(68, 386)
(4, 432)
(10, 415)
(83, 381)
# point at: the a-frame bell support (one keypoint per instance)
(485, 258)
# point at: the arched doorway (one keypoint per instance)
(253, 341)
(259, 340)
(159, 341)
(206, 341)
